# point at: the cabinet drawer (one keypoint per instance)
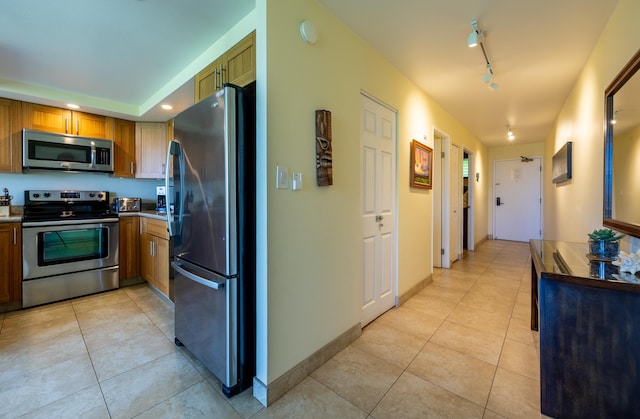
(155, 227)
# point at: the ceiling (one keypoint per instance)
(121, 53)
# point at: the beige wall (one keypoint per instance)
(309, 253)
(574, 208)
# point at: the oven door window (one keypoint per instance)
(64, 246)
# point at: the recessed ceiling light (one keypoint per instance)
(73, 106)
(167, 107)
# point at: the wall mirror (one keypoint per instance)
(622, 151)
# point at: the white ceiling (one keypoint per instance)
(124, 51)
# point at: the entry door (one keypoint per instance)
(378, 180)
(518, 199)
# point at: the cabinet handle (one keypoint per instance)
(66, 125)
(15, 236)
(164, 169)
(131, 167)
(77, 127)
(221, 77)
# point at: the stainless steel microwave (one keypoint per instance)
(45, 150)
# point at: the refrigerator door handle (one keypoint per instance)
(207, 283)
(174, 149)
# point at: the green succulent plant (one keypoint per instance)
(606, 235)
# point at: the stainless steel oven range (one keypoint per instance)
(69, 245)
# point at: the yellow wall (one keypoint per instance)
(574, 208)
(309, 254)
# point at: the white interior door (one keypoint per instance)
(378, 180)
(438, 248)
(455, 196)
(518, 199)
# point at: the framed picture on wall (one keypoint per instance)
(421, 165)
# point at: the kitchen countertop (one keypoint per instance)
(17, 218)
(148, 214)
(13, 218)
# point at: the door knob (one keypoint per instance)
(379, 218)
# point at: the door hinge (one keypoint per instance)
(442, 252)
(442, 154)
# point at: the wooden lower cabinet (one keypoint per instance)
(154, 253)
(11, 257)
(129, 243)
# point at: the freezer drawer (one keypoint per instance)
(206, 319)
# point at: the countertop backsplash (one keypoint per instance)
(17, 183)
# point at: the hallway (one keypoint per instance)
(461, 348)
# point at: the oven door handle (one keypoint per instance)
(68, 222)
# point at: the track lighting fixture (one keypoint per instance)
(615, 114)
(510, 135)
(476, 37)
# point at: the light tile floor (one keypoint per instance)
(460, 348)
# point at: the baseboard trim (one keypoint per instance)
(401, 299)
(484, 239)
(267, 394)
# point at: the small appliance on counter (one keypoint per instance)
(161, 200)
(127, 204)
(5, 203)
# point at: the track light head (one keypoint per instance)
(475, 35)
(487, 77)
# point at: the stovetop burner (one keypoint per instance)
(45, 205)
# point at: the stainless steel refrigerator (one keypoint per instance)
(210, 185)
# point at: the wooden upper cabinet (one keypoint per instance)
(89, 125)
(209, 80)
(124, 148)
(236, 66)
(10, 136)
(63, 121)
(240, 61)
(151, 150)
(46, 118)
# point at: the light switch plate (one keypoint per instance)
(282, 177)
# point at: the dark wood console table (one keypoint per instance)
(589, 335)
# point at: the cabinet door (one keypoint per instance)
(11, 255)
(89, 125)
(209, 80)
(151, 150)
(46, 118)
(146, 257)
(162, 265)
(240, 62)
(129, 247)
(10, 136)
(124, 153)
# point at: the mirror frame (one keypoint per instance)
(629, 70)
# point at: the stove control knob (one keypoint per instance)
(47, 194)
(91, 195)
(36, 195)
(100, 196)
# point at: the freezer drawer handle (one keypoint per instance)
(211, 284)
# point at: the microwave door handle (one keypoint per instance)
(93, 154)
